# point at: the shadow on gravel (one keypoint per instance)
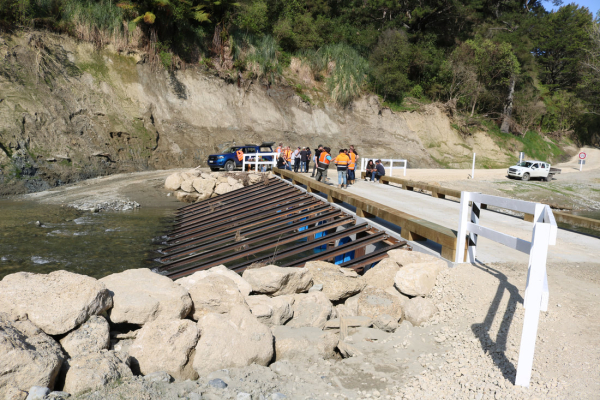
(497, 348)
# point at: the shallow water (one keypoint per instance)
(587, 214)
(82, 242)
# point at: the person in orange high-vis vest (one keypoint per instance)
(279, 149)
(240, 155)
(287, 155)
(323, 164)
(352, 166)
(342, 161)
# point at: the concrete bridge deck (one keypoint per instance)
(570, 246)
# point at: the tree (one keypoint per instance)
(561, 40)
(389, 63)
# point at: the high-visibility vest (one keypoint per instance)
(287, 154)
(352, 164)
(342, 160)
(278, 150)
(323, 161)
(240, 155)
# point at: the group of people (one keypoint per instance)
(345, 162)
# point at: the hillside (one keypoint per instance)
(69, 111)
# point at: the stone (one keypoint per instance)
(394, 292)
(158, 376)
(93, 335)
(271, 311)
(235, 339)
(173, 181)
(222, 188)
(57, 302)
(194, 396)
(188, 186)
(243, 286)
(386, 323)
(94, 370)
(166, 345)
(351, 322)
(37, 393)
(232, 181)
(303, 343)
(343, 310)
(404, 257)
(316, 288)
(187, 197)
(205, 175)
(254, 178)
(382, 275)
(419, 310)
(194, 173)
(373, 302)
(204, 187)
(28, 357)
(214, 293)
(416, 279)
(243, 396)
(278, 396)
(311, 310)
(58, 395)
(141, 296)
(338, 283)
(237, 186)
(217, 383)
(276, 281)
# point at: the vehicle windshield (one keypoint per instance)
(230, 150)
(525, 164)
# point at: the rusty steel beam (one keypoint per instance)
(241, 206)
(304, 247)
(271, 227)
(260, 220)
(233, 202)
(279, 210)
(377, 255)
(336, 251)
(258, 249)
(214, 252)
(234, 193)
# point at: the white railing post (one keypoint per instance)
(391, 167)
(405, 162)
(462, 227)
(535, 287)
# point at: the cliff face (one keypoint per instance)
(69, 112)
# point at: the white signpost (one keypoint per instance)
(536, 290)
(473, 168)
(582, 157)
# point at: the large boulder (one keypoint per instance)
(222, 188)
(28, 357)
(372, 302)
(173, 181)
(204, 187)
(382, 275)
(93, 335)
(95, 370)
(303, 343)
(242, 285)
(416, 279)
(275, 281)
(188, 186)
(338, 283)
(141, 296)
(418, 310)
(187, 197)
(271, 311)
(57, 302)
(166, 345)
(311, 310)
(404, 257)
(236, 339)
(255, 178)
(214, 293)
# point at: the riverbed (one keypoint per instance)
(42, 238)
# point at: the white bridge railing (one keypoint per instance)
(253, 160)
(536, 290)
(365, 160)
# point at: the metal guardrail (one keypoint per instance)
(413, 228)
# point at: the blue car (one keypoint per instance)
(229, 161)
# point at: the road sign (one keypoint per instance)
(582, 155)
(581, 161)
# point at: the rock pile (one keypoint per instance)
(74, 333)
(195, 185)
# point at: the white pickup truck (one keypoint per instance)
(532, 169)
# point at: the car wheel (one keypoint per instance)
(525, 176)
(214, 169)
(229, 166)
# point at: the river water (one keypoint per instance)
(82, 242)
(587, 214)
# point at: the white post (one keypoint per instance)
(535, 287)
(391, 167)
(473, 169)
(580, 165)
(405, 162)
(462, 227)
(256, 163)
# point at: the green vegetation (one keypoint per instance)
(510, 62)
